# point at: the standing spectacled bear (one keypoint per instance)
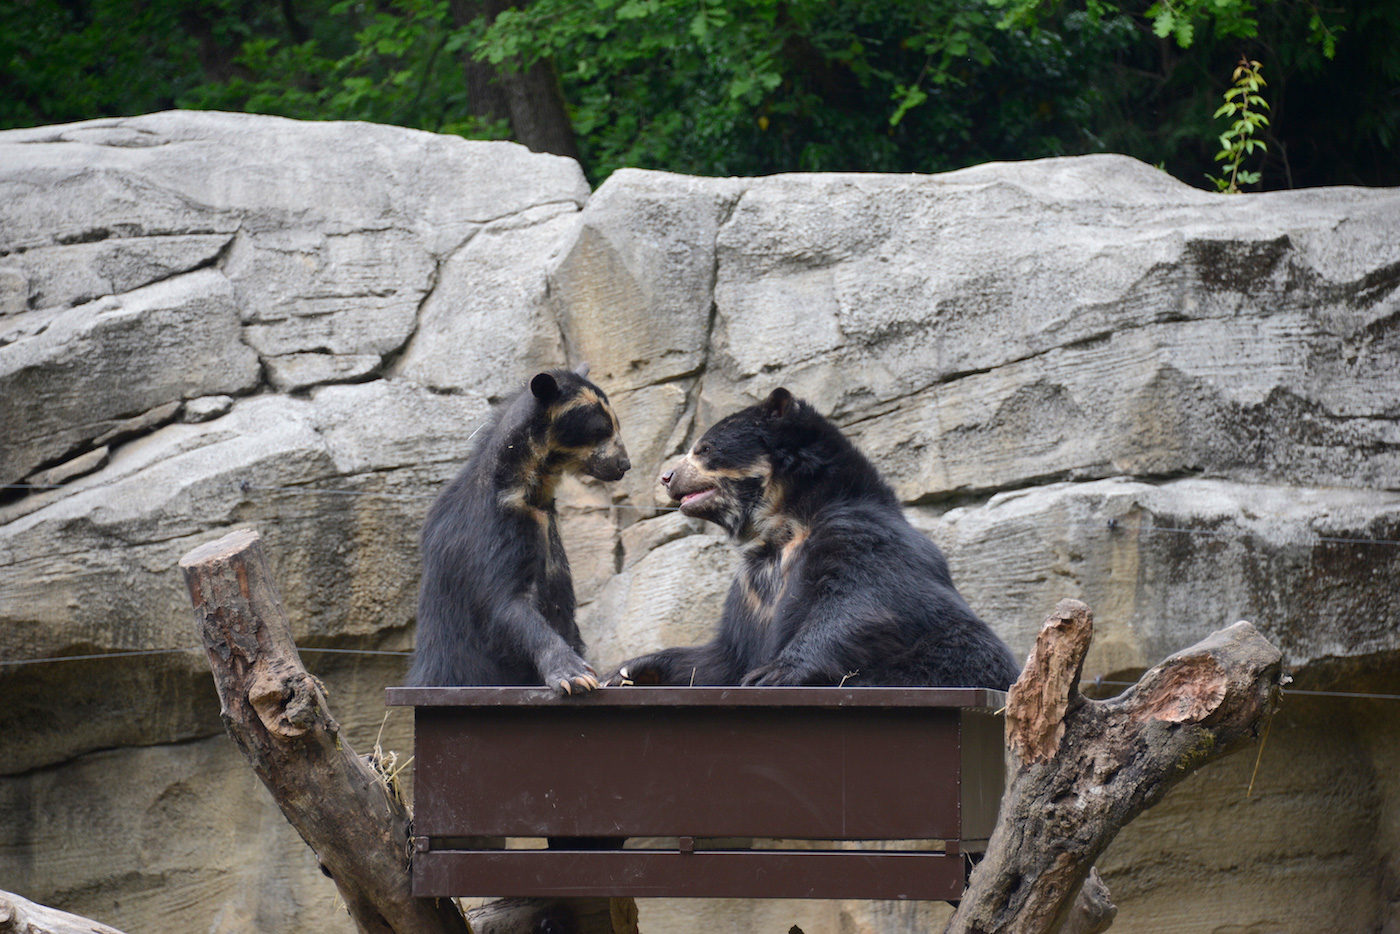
(835, 586)
(496, 602)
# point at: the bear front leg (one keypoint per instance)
(566, 672)
(679, 666)
(557, 664)
(775, 673)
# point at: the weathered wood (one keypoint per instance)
(21, 916)
(276, 713)
(1078, 770)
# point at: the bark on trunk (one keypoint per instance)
(277, 714)
(528, 96)
(1078, 770)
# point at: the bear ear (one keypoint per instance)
(545, 387)
(582, 369)
(778, 403)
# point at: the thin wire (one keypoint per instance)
(313, 648)
(296, 490)
(1342, 694)
(1097, 682)
(193, 648)
(303, 490)
(1111, 524)
(1127, 684)
(79, 658)
(1259, 757)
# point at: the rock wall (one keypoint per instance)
(1085, 378)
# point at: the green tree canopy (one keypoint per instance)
(739, 87)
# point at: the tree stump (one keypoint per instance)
(1078, 770)
(276, 712)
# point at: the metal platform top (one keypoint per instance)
(647, 696)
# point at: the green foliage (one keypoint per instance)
(1175, 19)
(1245, 107)
(64, 61)
(754, 86)
(759, 86)
(391, 62)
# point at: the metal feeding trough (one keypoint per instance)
(727, 778)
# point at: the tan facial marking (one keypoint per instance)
(584, 399)
(757, 469)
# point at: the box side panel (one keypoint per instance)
(983, 772)
(801, 773)
(726, 874)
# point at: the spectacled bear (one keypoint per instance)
(835, 586)
(496, 601)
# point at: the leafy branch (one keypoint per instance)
(1245, 106)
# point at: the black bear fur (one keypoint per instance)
(835, 585)
(496, 600)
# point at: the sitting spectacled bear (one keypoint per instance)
(496, 602)
(835, 585)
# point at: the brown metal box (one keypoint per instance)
(695, 764)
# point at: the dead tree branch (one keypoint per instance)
(1078, 770)
(276, 712)
(21, 916)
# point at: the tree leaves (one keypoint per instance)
(1247, 106)
(755, 86)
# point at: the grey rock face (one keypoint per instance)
(1083, 377)
(185, 247)
(95, 365)
(1025, 323)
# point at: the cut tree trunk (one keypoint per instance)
(1078, 770)
(276, 713)
(21, 916)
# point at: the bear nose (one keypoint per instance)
(666, 477)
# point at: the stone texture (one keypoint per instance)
(82, 464)
(95, 366)
(1307, 851)
(205, 408)
(635, 290)
(487, 313)
(184, 837)
(265, 230)
(294, 371)
(1070, 318)
(1083, 377)
(146, 422)
(1164, 565)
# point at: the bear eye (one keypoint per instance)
(703, 448)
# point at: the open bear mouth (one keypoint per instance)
(697, 497)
